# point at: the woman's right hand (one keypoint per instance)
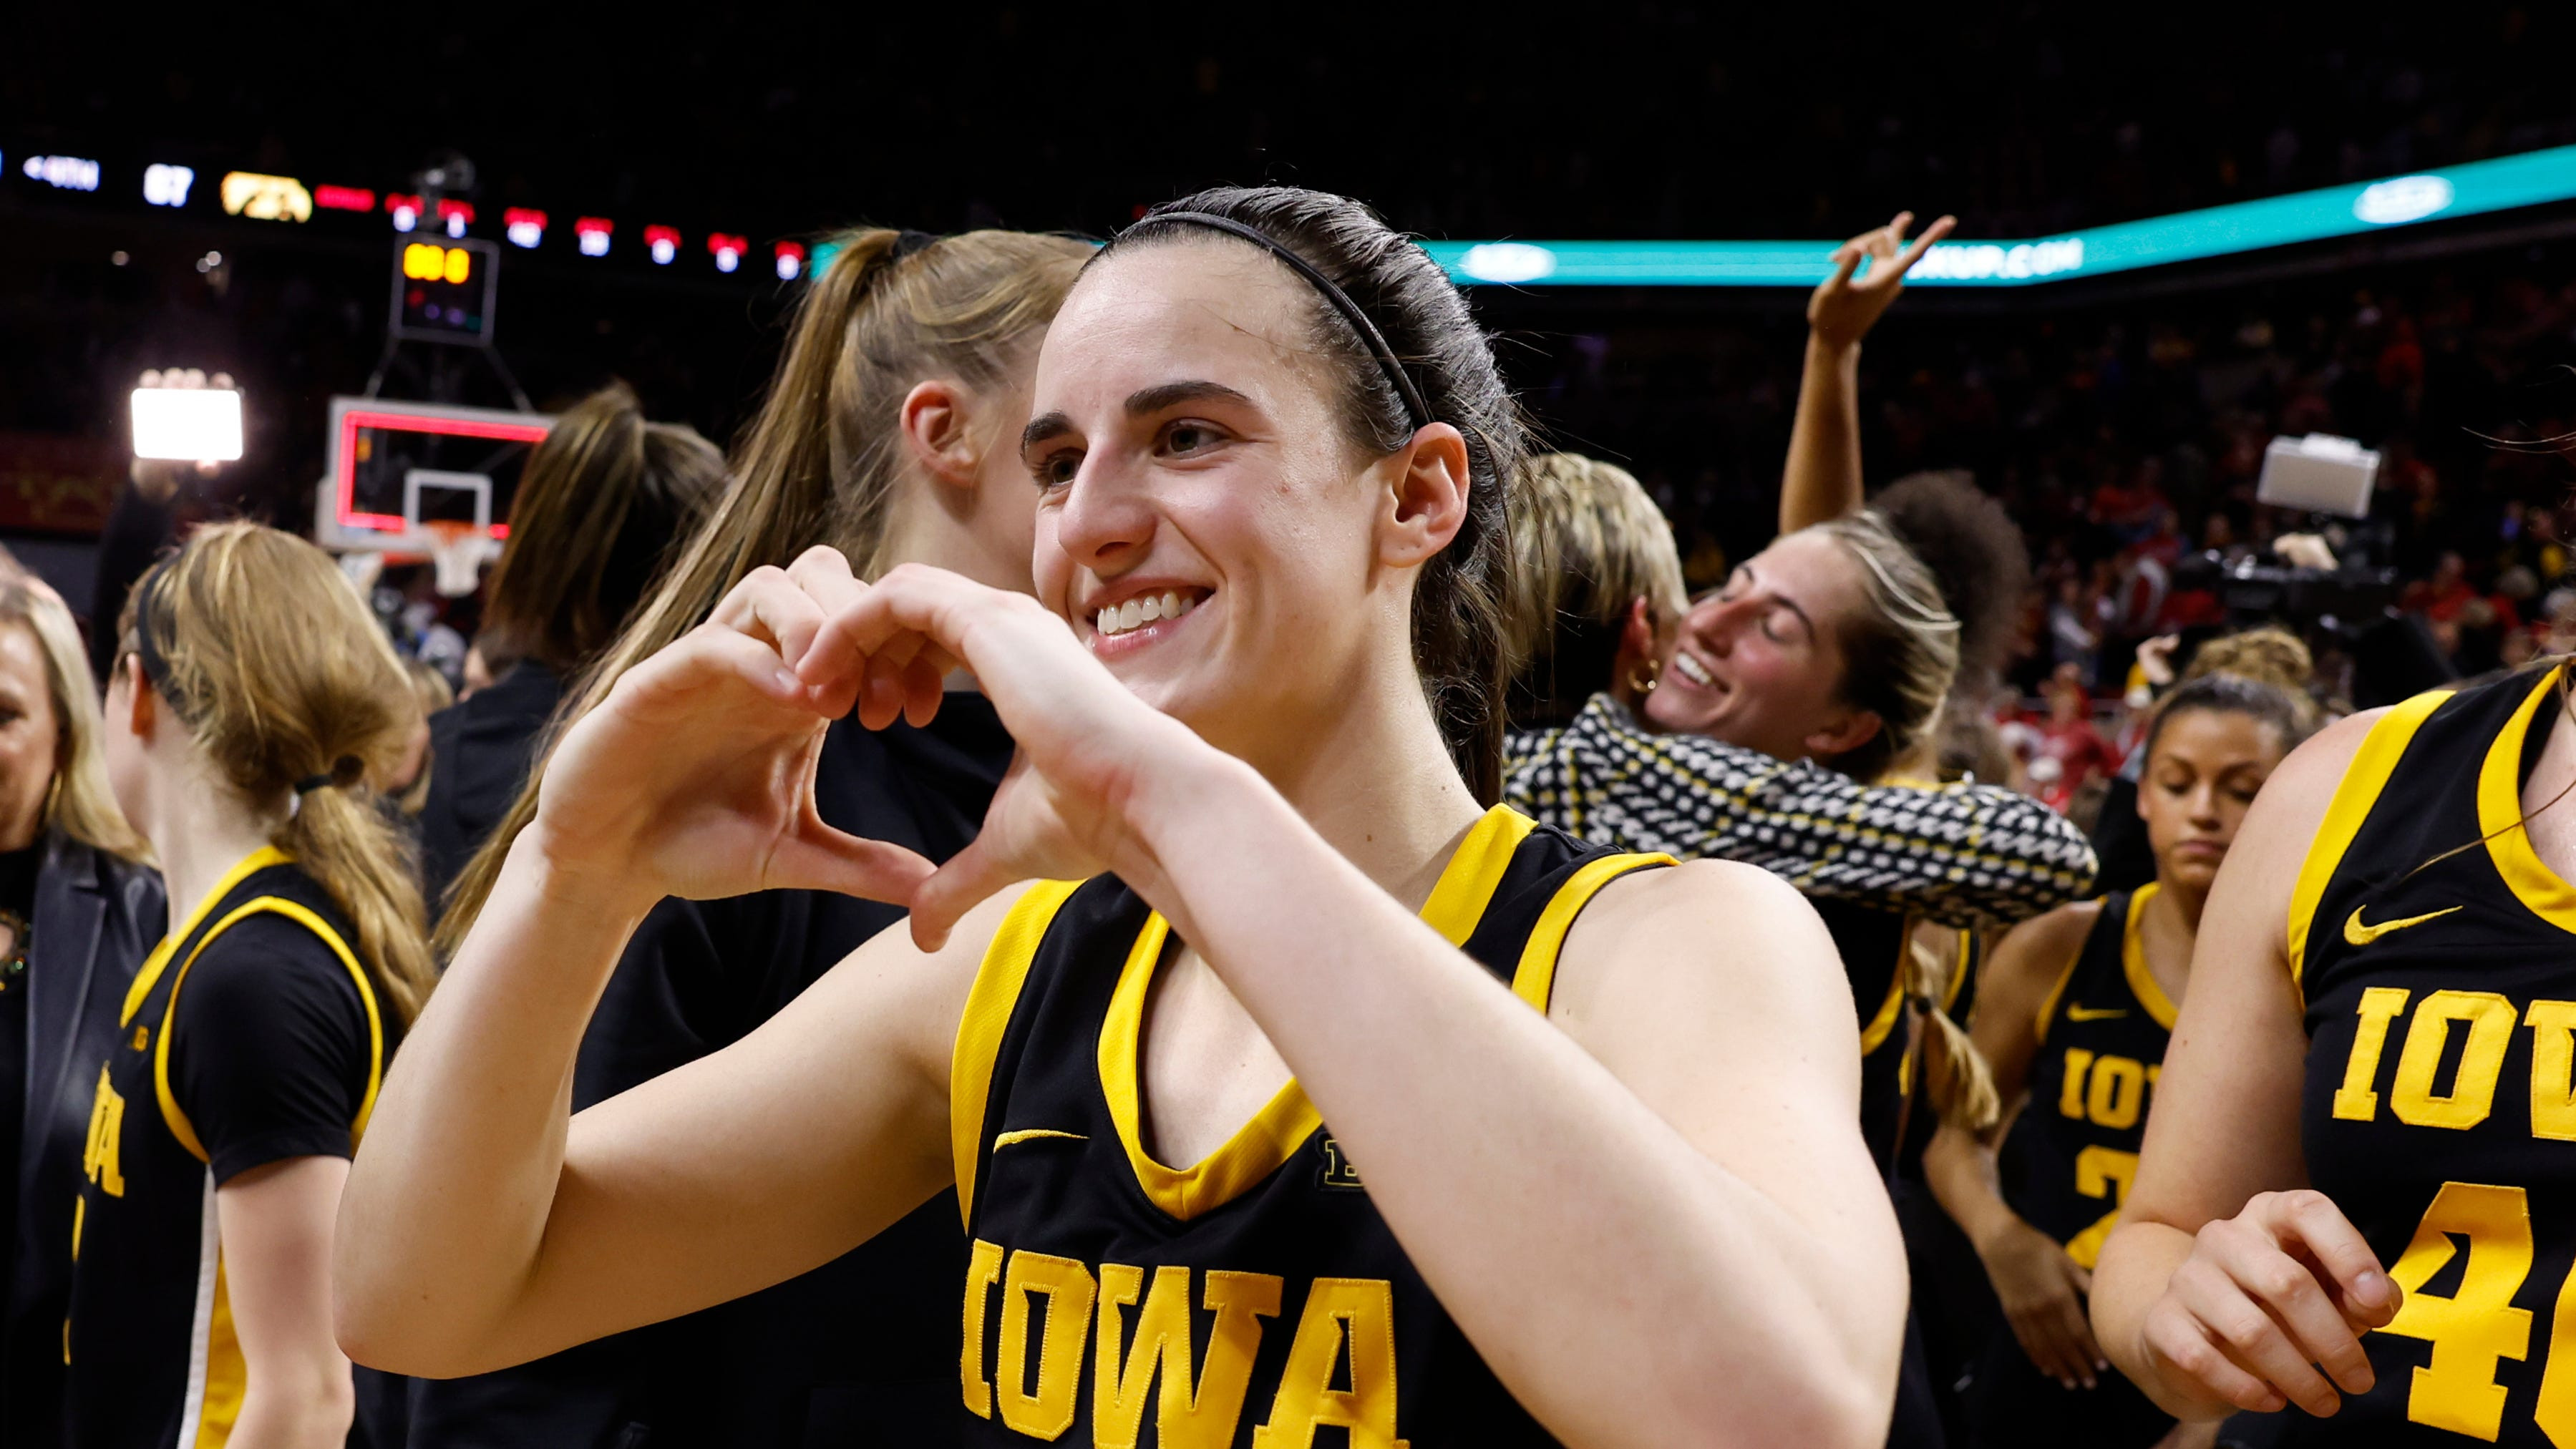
(2266, 1298)
(2042, 1291)
(695, 776)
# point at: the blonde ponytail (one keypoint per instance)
(821, 461)
(1957, 1080)
(291, 691)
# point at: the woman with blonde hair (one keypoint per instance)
(254, 698)
(890, 432)
(79, 906)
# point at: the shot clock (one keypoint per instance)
(444, 290)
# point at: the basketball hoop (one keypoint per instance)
(456, 547)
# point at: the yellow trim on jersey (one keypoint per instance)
(227, 1372)
(150, 973)
(1534, 979)
(2057, 993)
(1259, 1147)
(1959, 969)
(2500, 819)
(2359, 789)
(1035, 1134)
(180, 1126)
(1875, 1034)
(2133, 958)
(989, 1003)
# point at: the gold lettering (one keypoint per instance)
(2354, 1101)
(2070, 1096)
(1067, 1285)
(2119, 1090)
(2490, 1021)
(983, 1270)
(1183, 1420)
(2553, 1055)
(103, 1158)
(2478, 1323)
(1359, 1313)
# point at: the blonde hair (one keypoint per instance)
(430, 692)
(285, 681)
(2268, 655)
(1900, 652)
(821, 461)
(1586, 543)
(81, 803)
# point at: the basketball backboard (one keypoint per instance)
(393, 468)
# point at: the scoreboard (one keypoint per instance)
(444, 290)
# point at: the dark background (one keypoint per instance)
(1606, 120)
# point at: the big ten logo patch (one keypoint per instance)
(1337, 1171)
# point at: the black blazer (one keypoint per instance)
(96, 918)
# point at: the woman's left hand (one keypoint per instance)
(1072, 803)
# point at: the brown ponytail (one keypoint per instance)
(821, 461)
(292, 691)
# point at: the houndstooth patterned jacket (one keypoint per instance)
(1962, 855)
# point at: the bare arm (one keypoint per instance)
(275, 1223)
(1697, 1113)
(2227, 1279)
(483, 1225)
(1964, 855)
(1822, 477)
(2040, 1287)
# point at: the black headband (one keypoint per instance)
(1415, 408)
(907, 242)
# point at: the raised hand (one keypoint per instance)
(1845, 306)
(1074, 801)
(2266, 1299)
(695, 777)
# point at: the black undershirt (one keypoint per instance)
(18, 898)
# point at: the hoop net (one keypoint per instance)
(457, 549)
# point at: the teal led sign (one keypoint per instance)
(2480, 186)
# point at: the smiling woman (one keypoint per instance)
(1442, 1078)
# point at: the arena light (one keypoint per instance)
(344, 198)
(168, 185)
(2530, 179)
(266, 198)
(405, 210)
(192, 425)
(728, 250)
(456, 216)
(63, 173)
(524, 228)
(594, 234)
(663, 242)
(791, 260)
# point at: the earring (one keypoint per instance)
(1643, 680)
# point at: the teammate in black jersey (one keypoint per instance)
(1643, 1217)
(2074, 1015)
(2356, 1192)
(253, 700)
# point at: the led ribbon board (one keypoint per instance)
(2480, 186)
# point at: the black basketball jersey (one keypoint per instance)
(1873, 945)
(2435, 955)
(1250, 1300)
(2073, 1151)
(150, 1344)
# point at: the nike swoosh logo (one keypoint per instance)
(1035, 1134)
(2357, 934)
(2094, 1013)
